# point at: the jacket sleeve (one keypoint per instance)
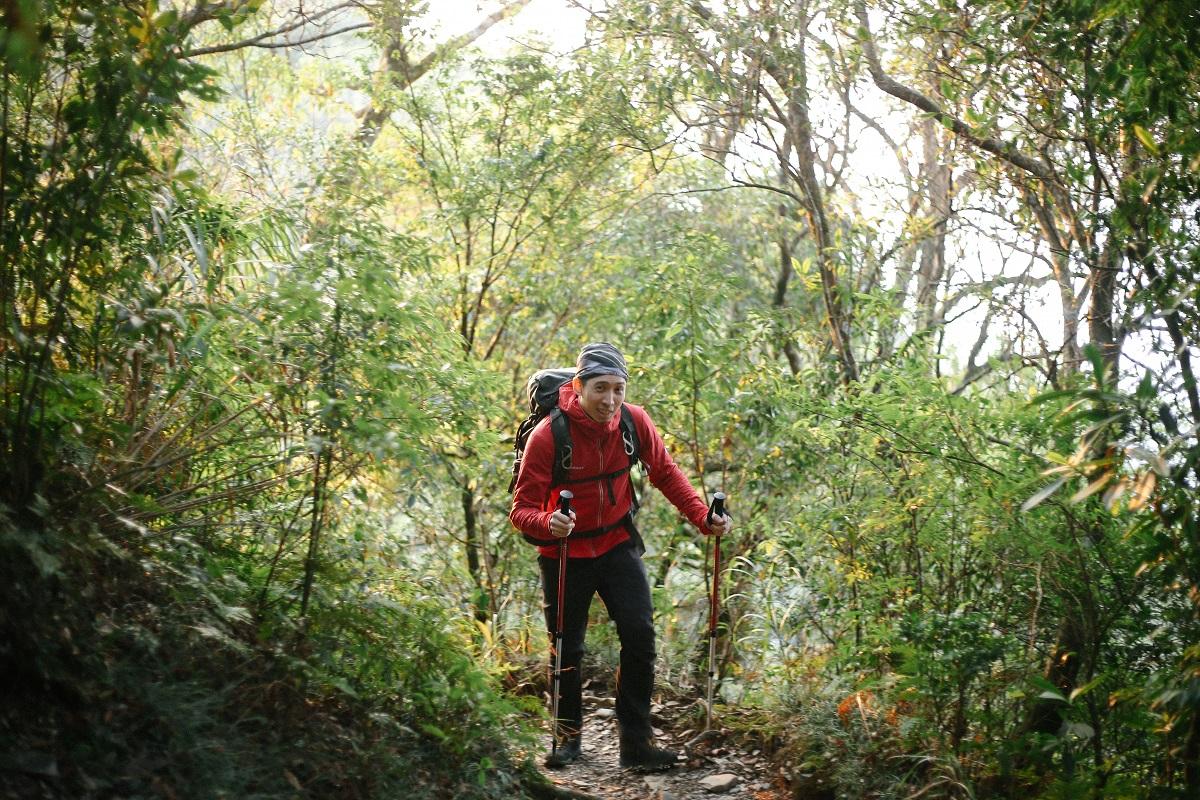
(528, 513)
(667, 477)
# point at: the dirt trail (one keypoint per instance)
(599, 774)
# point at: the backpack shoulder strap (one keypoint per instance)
(629, 436)
(562, 447)
(633, 449)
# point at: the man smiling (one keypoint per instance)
(604, 548)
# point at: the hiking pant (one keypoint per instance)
(619, 577)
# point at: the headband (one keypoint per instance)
(600, 358)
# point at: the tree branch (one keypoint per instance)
(258, 41)
(207, 12)
(402, 70)
(997, 147)
(459, 42)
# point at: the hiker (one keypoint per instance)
(604, 549)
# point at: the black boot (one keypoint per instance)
(568, 750)
(640, 755)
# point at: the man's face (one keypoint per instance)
(601, 396)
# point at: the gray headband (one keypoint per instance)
(600, 358)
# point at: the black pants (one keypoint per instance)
(619, 577)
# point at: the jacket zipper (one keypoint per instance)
(599, 506)
(606, 483)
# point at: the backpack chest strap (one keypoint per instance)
(564, 451)
(603, 476)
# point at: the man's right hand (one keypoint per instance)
(721, 525)
(561, 525)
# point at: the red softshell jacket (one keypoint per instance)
(597, 449)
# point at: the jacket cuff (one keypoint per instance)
(534, 540)
(541, 538)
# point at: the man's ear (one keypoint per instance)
(577, 385)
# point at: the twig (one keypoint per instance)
(258, 41)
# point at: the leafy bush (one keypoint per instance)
(148, 680)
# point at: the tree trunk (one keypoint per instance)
(790, 351)
(805, 176)
(480, 600)
(321, 467)
(1062, 670)
(1101, 329)
(932, 267)
(1191, 757)
(1060, 263)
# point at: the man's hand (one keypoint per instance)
(561, 525)
(721, 525)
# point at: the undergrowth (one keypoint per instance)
(134, 672)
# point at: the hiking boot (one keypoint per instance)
(568, 751)
(643, 756)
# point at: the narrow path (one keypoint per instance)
(599, 774)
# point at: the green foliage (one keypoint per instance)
(1131, 450)
(905, 560)
(198, 399)
(257, 380)
(78, 172)
(171, 686)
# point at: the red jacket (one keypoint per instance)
(596, 449)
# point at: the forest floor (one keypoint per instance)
(715, 767)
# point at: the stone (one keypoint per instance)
(721, 782)
(656, 783)
(604, 713)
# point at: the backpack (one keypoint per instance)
(542, 388)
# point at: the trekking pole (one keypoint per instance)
(716, 509)
(564, 506)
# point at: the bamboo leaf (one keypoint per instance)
(1051, 694)
(1145, 138)
(1114, 494)
(1142, 490)
(1092, 488)
(1043, 495)
(1079, 691)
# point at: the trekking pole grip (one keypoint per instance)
(564, 501)
(716, 508)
